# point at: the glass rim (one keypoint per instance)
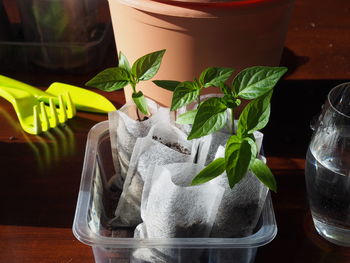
(331, 93)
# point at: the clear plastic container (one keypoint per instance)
(96, 205)
(82, 57)
(54, 36)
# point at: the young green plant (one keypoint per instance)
(187, 92)
(144, 68)
(241, 153)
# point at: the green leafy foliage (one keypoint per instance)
(187, 117)
(147, 66)
(214, 169)
(239, 154)
(214, 76)
(140, 102)
(226, 90)
(211, 117)
(123, 62)
(255, 84)
(110, 79)
(255, 115)
(263, 172)
(185, 93)
(116, 78)
(167, 84)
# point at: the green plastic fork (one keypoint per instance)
(85, 100)
(34, 116)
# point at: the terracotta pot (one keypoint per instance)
(202, 1)
(198, 35)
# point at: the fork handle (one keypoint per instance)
(12, 83)
(7, 95)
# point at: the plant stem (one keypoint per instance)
(133, 86)
(138, 114)
(233, 119)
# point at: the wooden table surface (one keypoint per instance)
(40, 175)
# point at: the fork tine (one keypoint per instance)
(36, 121)
(53, 113)
(44, 118)
(71, 110)
(62, 110)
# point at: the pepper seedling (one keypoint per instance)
(115, 78)
(254, 84)
(187, 92)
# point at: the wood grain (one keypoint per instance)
(26, 244)
(318, 40)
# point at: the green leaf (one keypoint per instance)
(253, 82)
(167, 84)
(255, 115)
(140, 102)
(148, 65)
(264, 174)
(187, 117)
(212, 170)
(110, 79)
(211, 117)
(196, 83)
(239, 154)
(123, 62)
(214, 76)
(226, 90)
(184, 93)
(231, 103)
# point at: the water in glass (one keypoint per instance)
(328, 171)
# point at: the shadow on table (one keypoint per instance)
(292, 61)
(40, 175)
(294, 104)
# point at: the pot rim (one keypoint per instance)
(205, 10)
(239, 3)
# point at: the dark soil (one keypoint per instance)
(190, 230)
(175, 146)
(139, 117)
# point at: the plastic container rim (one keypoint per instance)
(83, 233)
(106, 28)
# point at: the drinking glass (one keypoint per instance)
(327, 169)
